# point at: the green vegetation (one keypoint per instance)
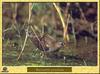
(45, 19)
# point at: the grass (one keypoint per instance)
(32, 57)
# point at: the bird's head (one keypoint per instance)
(59, 44)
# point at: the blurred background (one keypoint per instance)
(80, 20)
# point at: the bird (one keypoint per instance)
(51, 46)
(46, 43)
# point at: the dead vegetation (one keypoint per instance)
(39, 34)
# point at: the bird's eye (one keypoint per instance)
(61, 43)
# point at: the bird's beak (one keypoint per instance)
(61, 43)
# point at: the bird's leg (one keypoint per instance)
(64, 59)
(43, 55)
(86, 39)
(35, 52)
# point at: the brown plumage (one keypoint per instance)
(46, 43)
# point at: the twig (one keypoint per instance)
(82, 13)
(37, 38)
(60, 15)
(7, 29)
(30, 9)
(84, 62)
(83, 18)
(66, 37)
(23, 44)
(73, 31)
(29, 18)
